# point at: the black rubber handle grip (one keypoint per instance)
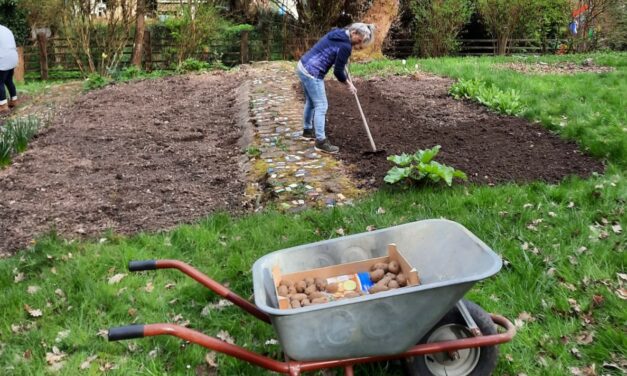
(137, 266)
(126, 332)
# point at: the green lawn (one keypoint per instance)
(564, 247)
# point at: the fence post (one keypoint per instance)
(21, 65)
(244, 47)
(147, 51)
(43, 55)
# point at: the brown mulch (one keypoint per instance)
(406, 114)
(130, 157)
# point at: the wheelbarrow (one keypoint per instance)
(430, 328)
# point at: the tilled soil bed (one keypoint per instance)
(130, 157)
(406, 114)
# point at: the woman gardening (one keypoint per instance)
(333, 49)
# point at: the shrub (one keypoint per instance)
(438, 22)
(419, 166)
(95, 81)
(193, 65)
(506, 102)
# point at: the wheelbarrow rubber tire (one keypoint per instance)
(488, 357)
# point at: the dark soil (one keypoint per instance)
(406, 114)
(131, 157)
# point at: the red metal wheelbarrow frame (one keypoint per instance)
(288, 367)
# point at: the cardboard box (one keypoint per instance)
(345, 269)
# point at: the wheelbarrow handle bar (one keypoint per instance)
(202, 279)
(295, 367)
(126, 332)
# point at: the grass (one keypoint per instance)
(15, 135)
(562, 245)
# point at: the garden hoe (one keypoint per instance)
(363, 117)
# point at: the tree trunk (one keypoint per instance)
(140, 27)
(43, 55)
(21, 65)
(381, 13)
(501, 44)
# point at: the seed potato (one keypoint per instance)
(401, 279)
(301, 286)
(332, 288)
(295, 304)
(394, 267)
(283, 290)
(376, 275)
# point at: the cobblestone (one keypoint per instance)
(288, 170)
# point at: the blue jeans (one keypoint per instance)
(316, 104)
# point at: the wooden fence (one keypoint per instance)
(54, 54)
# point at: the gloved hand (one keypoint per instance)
(351, 87)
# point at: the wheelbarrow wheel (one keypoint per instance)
(466, 362)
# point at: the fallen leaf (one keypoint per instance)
(53, 270)
(527, 206)
(132, 312)
(120, 291)
(585, 338)
(570, 205)
(131, 346)
(222, 303)
(340, 231)
(370, 228)
(597, 300)
(173, 301)
(568, 286)
(16, 328)
(62, 335)
(149, 287)
(380, 211)
(210, 359)
(552, 214)
(154, 352)
(28, 354)
(19, 277)
(104, 333)
(509, 357)
(574, 305)
(271, 342)
(33, 289)
(33, 312)
(575, 352)
(622, 293)
(573, 260)
(581, 250)
(225, 336)
(107, 366)
(55, 356)
(59, 293)
(622, 276)
(617, 228)
(116, 278)
(88, 361)
(169, 286)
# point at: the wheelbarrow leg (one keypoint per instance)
(136, 266)
(348, 371)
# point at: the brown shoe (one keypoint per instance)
(4, 108)
(14, 103)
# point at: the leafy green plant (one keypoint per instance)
(95, 81)
(507, 102)
(438, 23)
(21, 131)
(6, 147)
(193, 65)
(253, 151)
(419, 166)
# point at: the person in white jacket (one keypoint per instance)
(8, 62)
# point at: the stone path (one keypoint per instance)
(286, 169)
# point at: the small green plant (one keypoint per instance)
(506, 102)
(14, 137)
(419, 166)
(6, 148)
(193, 65)
(21, 131)
(253, 151)
(95, 81)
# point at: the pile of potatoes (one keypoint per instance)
(310, 291)
(307, 292)
(386, 276)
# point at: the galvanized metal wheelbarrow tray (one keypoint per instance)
(371, 328)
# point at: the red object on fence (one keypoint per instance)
(577, 12)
